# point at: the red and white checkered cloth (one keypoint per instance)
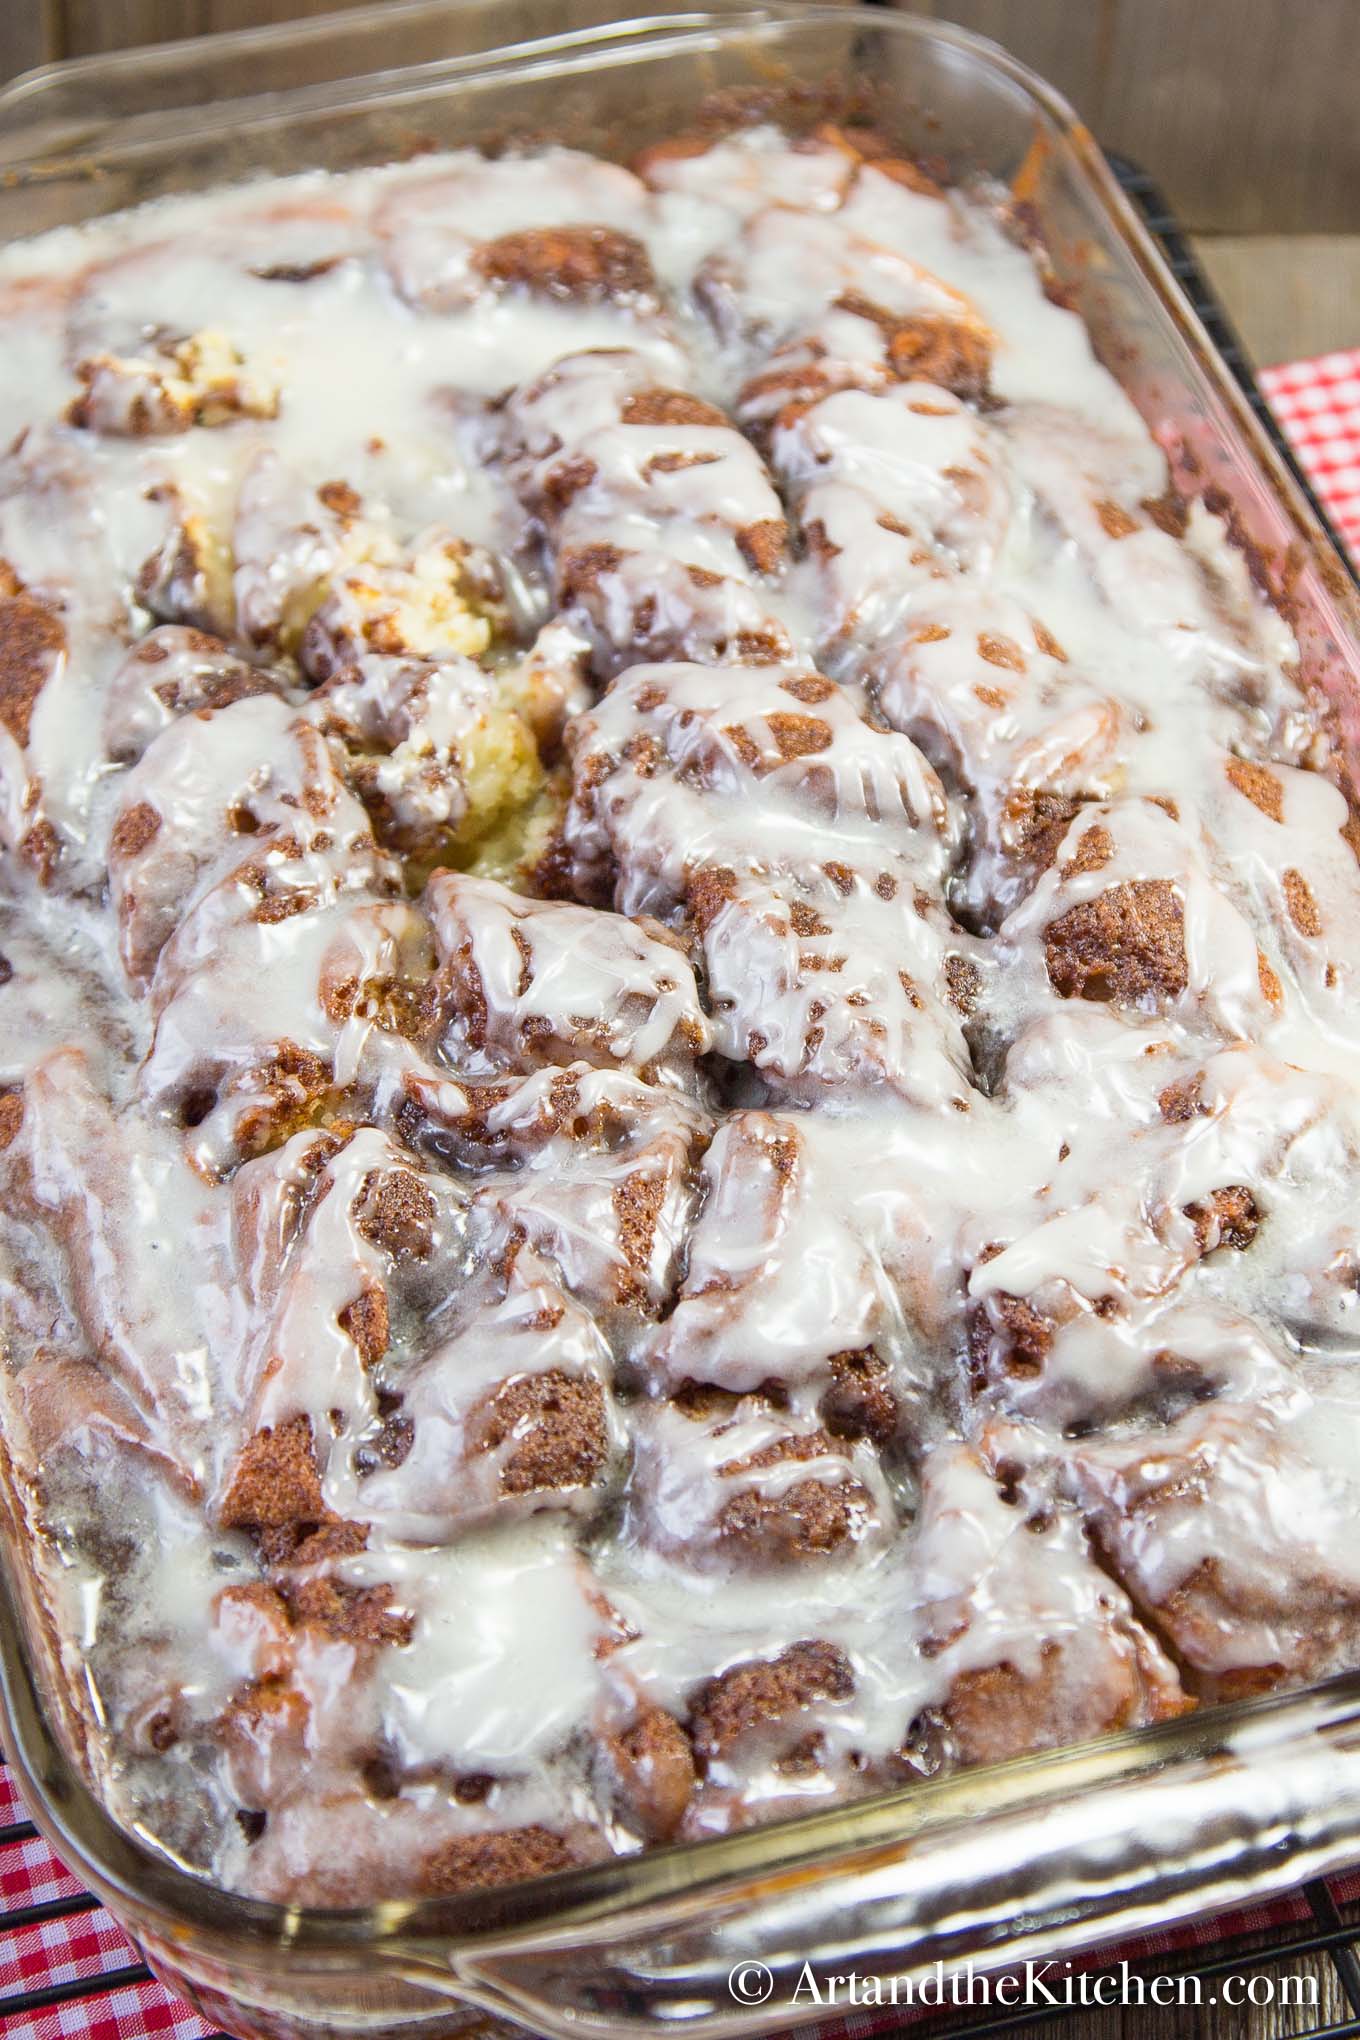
(81, 1945)
(1318, 404)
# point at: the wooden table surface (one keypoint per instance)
(1290, 295)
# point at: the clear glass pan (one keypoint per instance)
(1027, 1859)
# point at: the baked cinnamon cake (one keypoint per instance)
(679, 1021)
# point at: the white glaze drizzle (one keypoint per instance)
(877, 1290)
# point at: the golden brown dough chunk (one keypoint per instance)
(1301, 903)
(1072, 1660)
(1216, 1601)
(177, 383)
(580, 265)
(263, 1730)
(76, 1416)
(653, 1774)
(555, 1424)
(1260, 786)
(275, 1493)
(507, 1417)
(869, 145)
(860, 1403)
(1277, 1597)
(808, 1519)
(32, 645)
(397, 1213)
(724, 1479)
(368, 1322)
(11, 1117)
(287, 1083)
(929, 348)
(1226, 1218)
(1126, 945)
(1182, 1101)
(998, 1712)
(639, 606)
(170, 672)
(942, 351)
(765, 1697)
(523, 982)
(1036, 821)
(479, 1862)
(670, 407)
(1007, 1335)
(275, 1481)
(348, 1614)
(332, 1608)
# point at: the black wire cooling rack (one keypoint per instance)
(1320, 1931)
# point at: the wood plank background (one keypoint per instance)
(1245, 107)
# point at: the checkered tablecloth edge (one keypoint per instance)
(1318, 405)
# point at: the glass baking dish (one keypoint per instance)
(1032, 1858)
